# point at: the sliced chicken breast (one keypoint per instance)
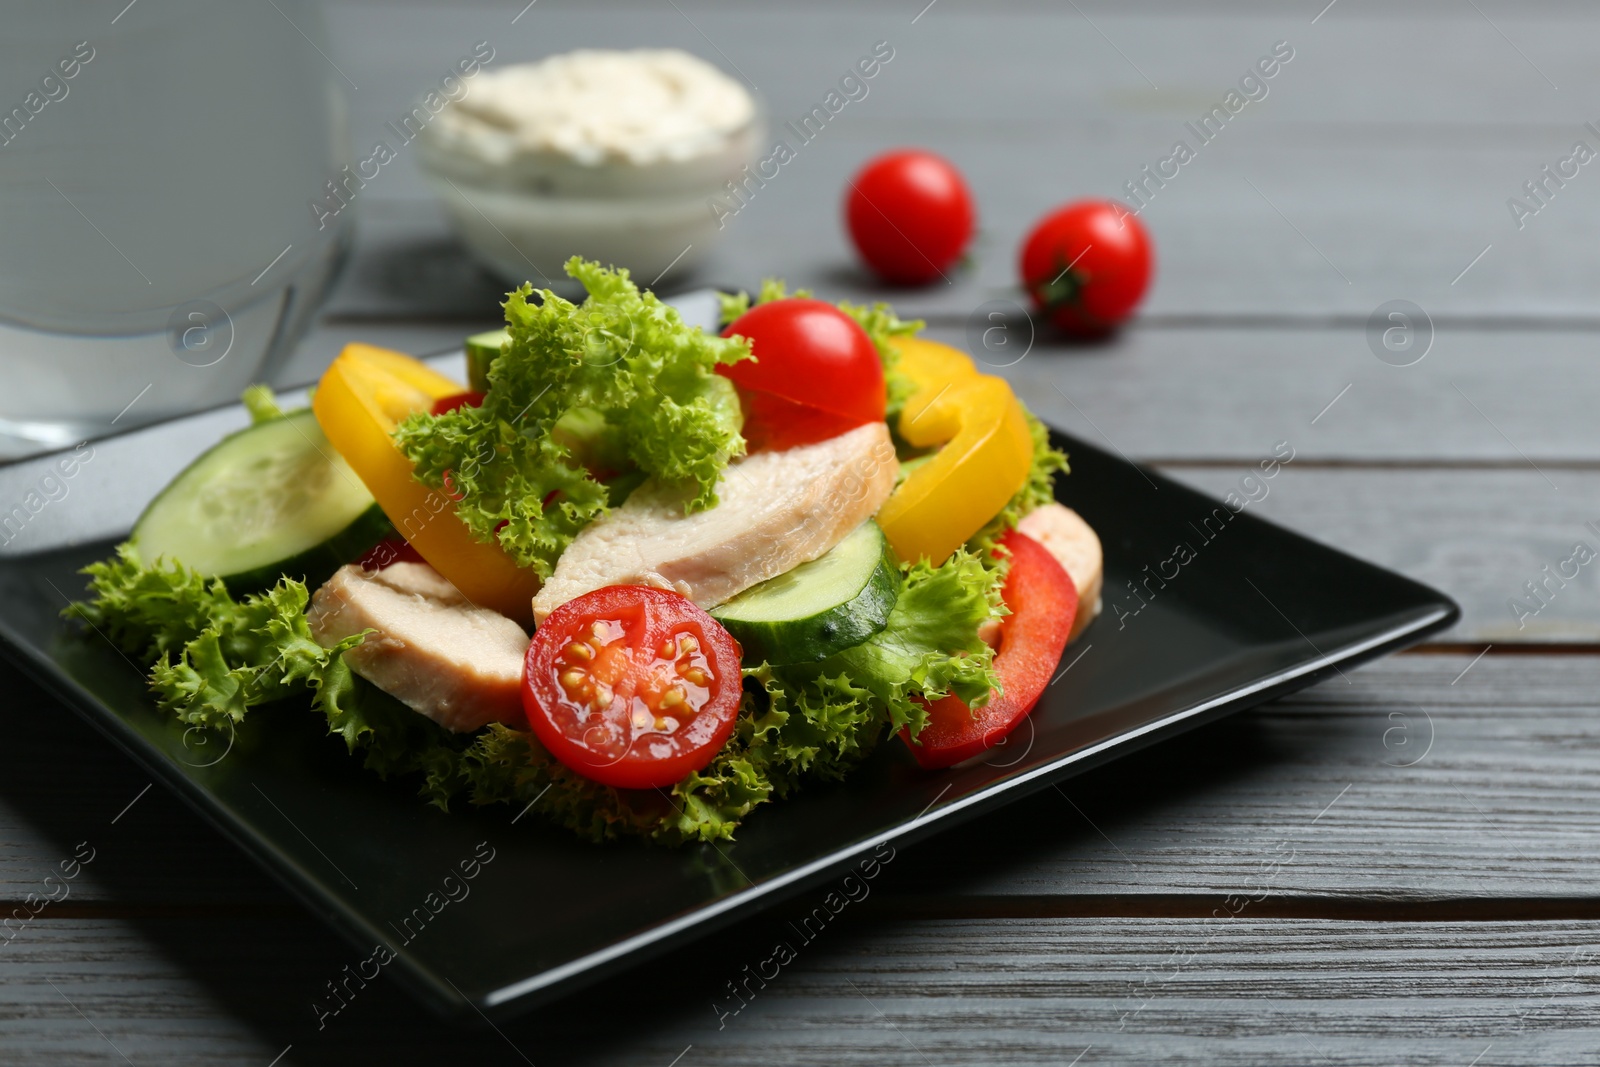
(435, 651)
(775, 511)
(1077, 548)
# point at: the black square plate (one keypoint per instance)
(1256, 612)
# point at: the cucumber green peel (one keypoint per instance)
(269, 501)
(825, 606)
(482, 348)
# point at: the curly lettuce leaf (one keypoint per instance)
(214, 658)
(931, 645)
(150, 611)
(623, 366)
(732, 305)
(797, 722)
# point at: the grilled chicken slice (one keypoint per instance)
(1077, 548)
(775, 511)
(436, 652)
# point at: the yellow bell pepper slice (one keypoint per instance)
(361, 399)
(931, 364)
(987, 450)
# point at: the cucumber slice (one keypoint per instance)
(274, 499)
(482, 348)
(830, 604)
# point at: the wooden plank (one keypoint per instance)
(1372, 160)
(1240, 991)
(1518, 396)
(1499, 800)
(1479, 535)
(1410, 780)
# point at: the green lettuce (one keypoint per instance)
(798, 722)
(619, 374)
(213, 658)
(585, 401)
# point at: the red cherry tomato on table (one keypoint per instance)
(1087, 265)
(632, 687)
(1043, 603)
(811, 353)
(910, 215)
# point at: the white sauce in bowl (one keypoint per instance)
(596, 106)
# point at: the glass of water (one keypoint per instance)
(159, 249)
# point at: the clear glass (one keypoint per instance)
(159, 249)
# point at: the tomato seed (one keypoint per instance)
(672, 698)
(580, 650)
(694, 676)
(571, 680)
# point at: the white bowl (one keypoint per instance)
(525, 214)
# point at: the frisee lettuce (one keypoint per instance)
(642, 383)
(213, 658)
(617, 381)
(796, 722)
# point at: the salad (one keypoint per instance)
(632, 576)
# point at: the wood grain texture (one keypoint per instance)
(1394, 786)
(1041, 991)
(1373, 169)
(1499, 800)
(1514, 396)
(1410, 855)
(1479, 535)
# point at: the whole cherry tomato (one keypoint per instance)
(910, 216)
(1087, 265)
(811, 353)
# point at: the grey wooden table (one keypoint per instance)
(1439, 811)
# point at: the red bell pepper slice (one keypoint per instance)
(1043, 602)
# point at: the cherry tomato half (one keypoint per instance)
(1043, 603)
(910, 215)
(1087, 265)
(632, 687)
(812, 353)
